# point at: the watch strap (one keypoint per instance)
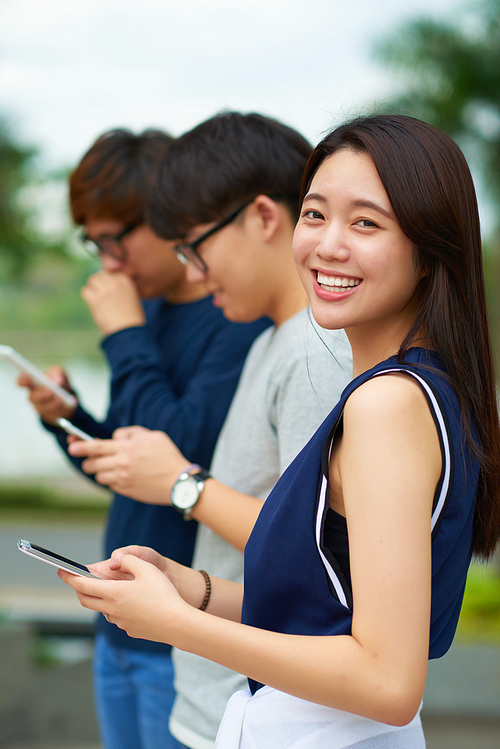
(186, 470)
(201, 475)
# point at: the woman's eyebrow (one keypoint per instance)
(315, 196)
(373, 206)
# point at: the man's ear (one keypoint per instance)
(269, 214)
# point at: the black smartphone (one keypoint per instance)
(56, 560)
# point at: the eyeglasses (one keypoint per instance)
(187, 252)
(107, 244)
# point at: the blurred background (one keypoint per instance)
(68, 72)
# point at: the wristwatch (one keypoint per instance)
(187, 489)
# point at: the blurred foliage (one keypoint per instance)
(43, 503)
(480, 616)
(453, 80)
(42, 266)
(21, 242)
(15, 241)
(41, 270)
(48, 297)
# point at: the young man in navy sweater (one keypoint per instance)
(175, 363)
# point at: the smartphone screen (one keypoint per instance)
(56, 560)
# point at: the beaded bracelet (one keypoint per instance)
(208, 590)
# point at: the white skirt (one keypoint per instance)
(274, 720)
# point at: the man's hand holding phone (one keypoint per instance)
(48, 404)
(137, 462)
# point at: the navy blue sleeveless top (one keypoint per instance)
(295, 585)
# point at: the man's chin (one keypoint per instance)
(147, 293)
(237, 316)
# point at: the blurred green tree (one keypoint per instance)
(21, 243)
(16, 242)
(453, 80)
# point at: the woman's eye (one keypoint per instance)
(311, 213)
(367, 223)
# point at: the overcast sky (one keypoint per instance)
(70, 69)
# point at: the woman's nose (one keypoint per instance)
(333, 245)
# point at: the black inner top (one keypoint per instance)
(336, 541)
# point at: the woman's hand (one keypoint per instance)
(144, 602)
(137, 463)
(110, 569)
(141, 552)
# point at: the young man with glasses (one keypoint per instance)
(175, 362)
(230, 189)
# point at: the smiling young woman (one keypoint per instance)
(353, 258)
(355, 570)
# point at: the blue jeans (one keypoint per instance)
(134, 694)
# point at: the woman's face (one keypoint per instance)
(355, 262)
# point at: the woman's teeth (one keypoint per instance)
(336, 284)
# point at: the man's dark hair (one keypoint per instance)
(112, 179)
(222, 163)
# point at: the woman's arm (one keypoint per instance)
(388, 465)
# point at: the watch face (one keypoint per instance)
(185, 493)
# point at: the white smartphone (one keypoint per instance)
(56, 560)
(72, 429)
(10, 355)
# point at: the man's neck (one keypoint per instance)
(289, 304)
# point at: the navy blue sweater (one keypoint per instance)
(178, 373)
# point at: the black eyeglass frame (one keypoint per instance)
(96, 249)
(187, 251)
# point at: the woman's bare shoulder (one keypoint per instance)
(389, 415)
(395, 395)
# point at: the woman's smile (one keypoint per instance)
(336, 284)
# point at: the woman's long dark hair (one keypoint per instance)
(430, 188)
